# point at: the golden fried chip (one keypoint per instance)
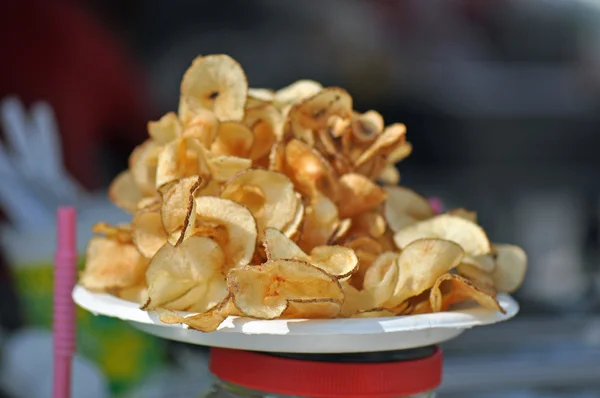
(224, 168)
(217, 83)
(316, 309)
(338, 261)
(149, 234)
(265, 291)
(203, 126)
(178, 209)
(310, 171)
(142, 166)
(293, 228)
(484, 262)
(124, 192)
(261, 94)
(370, 223)
(419, 266)
(391, 138)
(111, 264)
(208, 321)
(469, 235)
(136, 294)
(450, 289)
(184, 157)
(320, 222)
(358, 194)
(382, 277)
(367, 126)
(269, 195)
(511, 265)
(404, 207)
(296, 92)
(233, 139)
(478, 277)
(266, 124)
(238, 222)
(119, 233)
(367, 250)
(313, 113)
(165, 130)
(389, 175)
(464, 213)
(179, 277)
(400, 153)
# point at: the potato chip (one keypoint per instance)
(112, 264)
(338, 261)
(484, 262)
(314, 112)
(296, 92)
(165, 130)
(310, 171)
(419, 266)
(375, 313)
(382, 277)
(216, 83)
(178, 211)
(269, 195)
(179, 277)
(358, 194)
(265, 291)
(511, 265)
(119, 233)
(149, 234)
(240, 226)
(450, 289)
(478, 277)
(313, 309)
(208, 321)
(136, 294)
(370, 223)
(367, 250)
(277, 157)
(261, 94)
(203, 126)
(224, 168)
(389, 175)
(142, 166)
(293, 228)
(400, 153)
(404, 207)
(319, 224)
(391, 138)
(184, 157)
(233, 139)
(266, 124)
(124, 192)
(456, 229)
(366, 127)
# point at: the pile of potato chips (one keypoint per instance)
(284, 204)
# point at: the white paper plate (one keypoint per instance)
(306, 336)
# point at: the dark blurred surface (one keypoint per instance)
(501, 100)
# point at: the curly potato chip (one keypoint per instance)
(478, 277)
(216, 83)
(404, 207)
(369, 223)
(400, 153)
(178, 211)
(165, 130)
(203, 126)
(358, 194)
(338, 261)
(148, 234)
(296, 92)
(389, 175)
(511, 265)
(224, 168)
(124, 192)
(320, 222)
(382, 277)
(484, 262)
(269, 195)
(467, 234)
(310, 171)
(450, 289)
(112, 264)
(233, 139)
(119, 233)
(143, 165)
(419, 266)
(367, 126)
(391, 138)
(367, 250)
(261, 94)
(238, 222)
(464, 213)
(266, 291)
(184, 157)
(266, 124)
(180, 277)
(293, 228)
(208, 321)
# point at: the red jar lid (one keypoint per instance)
(282, 375)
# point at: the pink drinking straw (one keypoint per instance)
(65, 271)
(436, 205)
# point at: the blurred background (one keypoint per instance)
(501, 99)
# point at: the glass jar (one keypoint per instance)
(411, 373)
